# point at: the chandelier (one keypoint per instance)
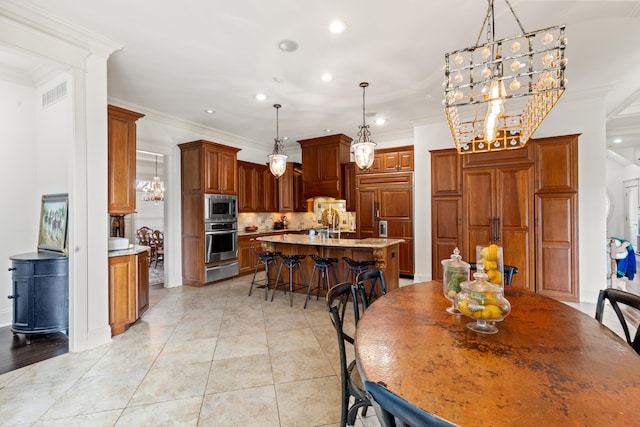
(363, 148)
(497, 93)
(277, 159)
(153, 191)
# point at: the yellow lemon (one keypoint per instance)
(484, 253)
(462, 306)
(489, 265)
(495, 277)
(494, 311)
(492, 253)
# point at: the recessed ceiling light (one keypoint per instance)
(210, 111)
(617, 140)
(326, 77)
(337, 26)
(379, 121)
(261, 97)
(287, 45)
(328, 130)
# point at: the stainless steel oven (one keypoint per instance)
(221, 241)
(220, 207)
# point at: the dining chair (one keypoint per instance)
(390, 407)
(616, 297)
(145, 238)
(158, 240)
(369, 285)
(351, 383)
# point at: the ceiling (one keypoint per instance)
(181, 58)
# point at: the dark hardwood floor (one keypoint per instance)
(16, 353)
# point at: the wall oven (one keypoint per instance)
(221, 241)
(220, 207)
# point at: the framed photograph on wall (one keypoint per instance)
(54, 217)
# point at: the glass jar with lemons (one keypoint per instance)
(491, 258)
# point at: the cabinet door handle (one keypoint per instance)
(11, 296)
(12, 269)
(498, 229)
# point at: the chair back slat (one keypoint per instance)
(615, 298)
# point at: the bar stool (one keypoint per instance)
(264, 259)
(356, 267)
(291, 262)
(322, 266)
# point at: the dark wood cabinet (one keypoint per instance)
(524, 200)
(121, 160)
(349, 176)
(142, 280)
(322, 159)
(387, 197)
(246, 258)
(396, 159)
(257, 188)
(205, 167)
(40, 293)
(498, 208)
(556, 209)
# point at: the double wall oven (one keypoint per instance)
(221, 236)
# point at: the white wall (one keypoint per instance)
(21, 203)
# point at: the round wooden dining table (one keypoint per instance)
(548, 365)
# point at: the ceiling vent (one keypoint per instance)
(54, 95)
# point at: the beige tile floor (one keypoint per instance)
(209, 356)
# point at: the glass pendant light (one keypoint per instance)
(277, 159)
(363, 148)
(154, 192)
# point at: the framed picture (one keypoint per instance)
(54, 216)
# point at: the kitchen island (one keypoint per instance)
(383, 251)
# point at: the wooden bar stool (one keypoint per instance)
(291, 262)
(322, 266)
(356, 267)
(264, 259)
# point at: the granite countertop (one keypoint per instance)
(243, 232)
(303, 239)
(134, 250)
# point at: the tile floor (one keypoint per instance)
(208, 356)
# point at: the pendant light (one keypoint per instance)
(363, 148)
(154, 192)
(277, 159)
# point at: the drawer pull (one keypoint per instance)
(12, 269)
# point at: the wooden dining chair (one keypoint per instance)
(615, 298)
(390, 408)
(369, 285)
(158, 241)
(145, 238)
(337, 299)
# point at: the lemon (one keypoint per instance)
(462, 306)
(489, 265)
(484, 253)
(495, 277)
(492, 253)
(494, 311)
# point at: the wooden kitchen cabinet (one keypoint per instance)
(387, 197)
(257, 188)
(246, 254)
(128, 290)
(498, 208)
(322, 159)
(556, 208)
(143, 282)
(221, 171)
(246, 187)
(349, 177)
(121, 160)
(524, 200)
(201, 172)
(396, 159)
